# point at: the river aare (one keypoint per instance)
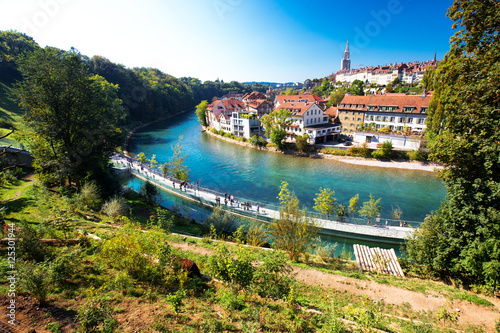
(252, 174)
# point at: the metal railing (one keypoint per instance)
(239, 205)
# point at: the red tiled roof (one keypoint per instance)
(416, 101)
(295, 98)
(254, 95)
(332, 111)
(300, 107)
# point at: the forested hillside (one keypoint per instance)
(147, 93)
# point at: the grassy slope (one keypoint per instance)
(216, 308)
(10, 112)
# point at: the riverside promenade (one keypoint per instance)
(359, 229)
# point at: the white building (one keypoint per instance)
(245, 125)
(394, 117)
(309, 118)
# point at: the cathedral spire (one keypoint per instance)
(345, 64)
(434, 56)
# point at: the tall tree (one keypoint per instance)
(292, 232)
(201, 112)
(72, 116)
(370, 208)
(325, 202)
(463, 134)
(176, 165)
(354, 205)
(274, 124)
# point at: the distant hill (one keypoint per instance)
(272, 84)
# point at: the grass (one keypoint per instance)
(10, 113)
(212, 306)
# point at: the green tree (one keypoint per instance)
(153, 162)
(275, 126)
(463, 134)
(164, 169)
(356, 88)
(149, 191)
(354, 205)
(301, 142)
(370, 208)
(141, 157)
(342, 212)
(428, 79)
(293, 232)
(201, 112)
(289, 92)
(176, 165)
(71, 115)
(325, 202)
(336, 97)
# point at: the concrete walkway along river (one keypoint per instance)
(352, 228)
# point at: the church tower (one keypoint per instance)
(345, 64)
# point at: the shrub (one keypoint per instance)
(221, 220)
(90, 196)
(273, 276)
(123, 282)
(257, 234)
(53, 327)
(150, 192)
(257, 141)
(115, 207)
(94, 314)
(175, 300)
(35, 279)
(417, 155)
(378, 154)
(165, 219)
(30, 248)
(64, 266)
(239, 235)
(133, 251)
(231, 300)
(238, 272)
(332, 324)
(335, 151)
(301, 143)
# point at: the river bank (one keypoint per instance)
(397, 164)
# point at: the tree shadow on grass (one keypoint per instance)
(17, 205)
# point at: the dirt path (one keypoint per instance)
(470, 314)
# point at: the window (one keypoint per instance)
(423, 109)
(352, 118)
(391, 119)
(346, 118)
(410, 120)
(377, 118)
(359, 119)
(402, 120)
(421, 121)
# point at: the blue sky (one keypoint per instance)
(242, 40)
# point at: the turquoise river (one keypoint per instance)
(251, 174)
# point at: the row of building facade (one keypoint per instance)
(371, 118)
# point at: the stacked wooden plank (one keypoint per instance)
(377, 260)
